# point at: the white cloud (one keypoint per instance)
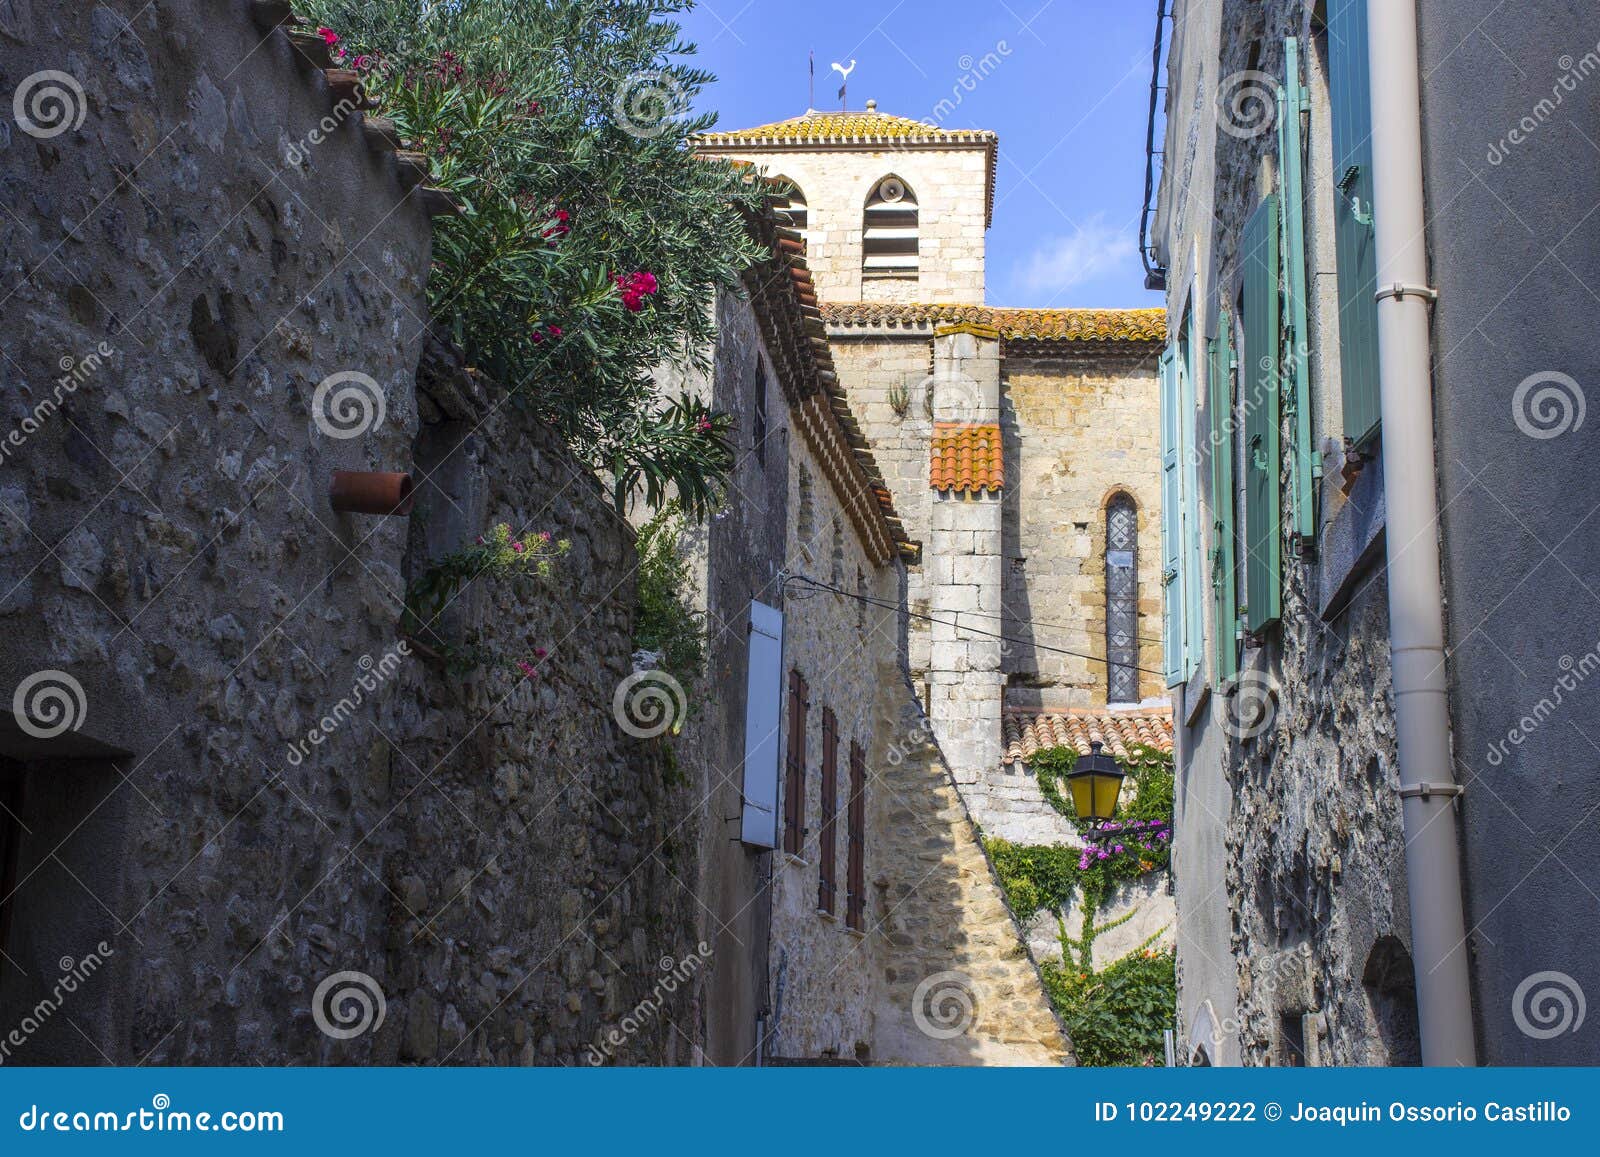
(1064, 263)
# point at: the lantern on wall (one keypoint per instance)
(1096, 782)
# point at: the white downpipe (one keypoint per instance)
(1416, 593)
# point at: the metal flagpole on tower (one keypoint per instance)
(811, 92)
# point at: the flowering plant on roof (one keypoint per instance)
(623, 239)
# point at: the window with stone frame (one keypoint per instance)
(794, 778)
(1122, 600)
(889, 240)
(855, 879)
(827, 849)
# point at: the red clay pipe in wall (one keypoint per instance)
(370, 492)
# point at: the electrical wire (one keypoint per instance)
(822, 586)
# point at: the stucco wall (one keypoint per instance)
(1508, 236)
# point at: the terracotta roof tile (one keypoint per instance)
(1025, 732)
(966, 456)
(838, 128)
(1075, 325)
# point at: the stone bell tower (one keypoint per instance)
(892, 209)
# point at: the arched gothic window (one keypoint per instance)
(1122, 600)
(889, 232)
(798, 214)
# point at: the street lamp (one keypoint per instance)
(1096, 781)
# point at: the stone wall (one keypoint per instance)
(951, 189)
(1080, 428)
(263, 790)
(1287, 856)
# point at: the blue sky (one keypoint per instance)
(1068, 95)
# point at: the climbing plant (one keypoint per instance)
(1114, 1015)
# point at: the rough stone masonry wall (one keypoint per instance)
(167, 542)
(951, 190)
(543, 888)
(957, 986)
(849, 653)
(1300, 824)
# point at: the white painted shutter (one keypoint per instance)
(763, 699)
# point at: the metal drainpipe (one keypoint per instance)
(1416, 595)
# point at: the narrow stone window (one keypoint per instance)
(806, 523)
(827, 853)
(855, 881)
(1122, 600)
(794, 779)
(889, 245)
(758, 387)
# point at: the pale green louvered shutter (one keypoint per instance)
(1260, 385)
(1303, 471)
(1194, 633)
(1224, 579)
(1171, 519)
(1354, 240)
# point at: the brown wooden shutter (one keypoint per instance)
(827, 850)
(856, 873)
(794, 780)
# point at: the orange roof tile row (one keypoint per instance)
(1023, 733)
(1075, 325)
(966, 456)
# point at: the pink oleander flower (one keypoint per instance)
(545, 534)
(527, 669)
(329, 36)
(539, 652)
(516, 548)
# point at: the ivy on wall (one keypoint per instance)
(1114, 1015)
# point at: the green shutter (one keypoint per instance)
(1354, 240)
(1224, 580)
(1171, 523)
(1260, 382)
(1297, 397)
(1193, 593)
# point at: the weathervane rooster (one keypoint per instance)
(844, 78)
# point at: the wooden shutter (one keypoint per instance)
(1355, 243)
(1224, 576)
(1261, 379)
(856, 872)
(826, 850)
(763, 686)
(1189, 481)
(1297, 395)
(794, 779)
(1171, 525)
